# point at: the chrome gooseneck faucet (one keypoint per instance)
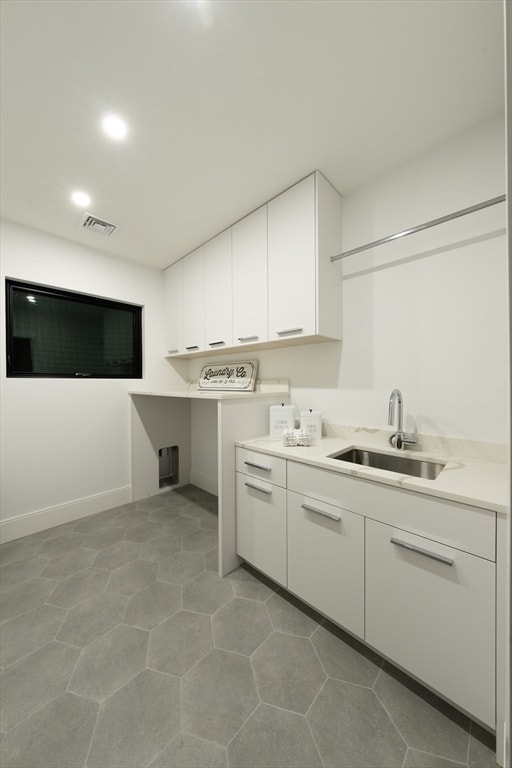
(400, 439)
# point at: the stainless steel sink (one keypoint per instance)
(404, 465)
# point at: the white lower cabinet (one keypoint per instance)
(430, 608)
(411, 575)
(326, 559)
(261, 525)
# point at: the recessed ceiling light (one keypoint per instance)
(114, 127)
(80, 198)
(204, 10)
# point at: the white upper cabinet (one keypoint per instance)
(218, 312)
(268, 280)
(173, 287)
(249, 248)
(193, 300)
(304, 287)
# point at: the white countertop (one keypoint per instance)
(470, 481)
(212, 394)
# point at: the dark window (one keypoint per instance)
(60, 333)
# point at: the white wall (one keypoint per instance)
(427, 314)
(65, 443)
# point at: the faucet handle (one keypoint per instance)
(400, 439)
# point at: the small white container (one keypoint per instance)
(289, 438)
(281, 417)
(303, 437)
(311, 421)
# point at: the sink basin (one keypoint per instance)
(404, 465)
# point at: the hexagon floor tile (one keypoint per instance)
(351, 727)
(137, 722)
(241, 626)
(287, 671)
(186, 751)
(274, 737)
(152, 605)
(206, 593)
(122, 647)
(180, 642)
(109, 662)
(218, 695)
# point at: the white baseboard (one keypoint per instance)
(41, 519)
(205, 482)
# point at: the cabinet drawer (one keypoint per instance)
(272, 469)
(326, 559)
(261, 525)
(467, 528)
(430, 608)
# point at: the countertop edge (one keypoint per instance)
(212, 395)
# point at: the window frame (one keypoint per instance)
(12, 284)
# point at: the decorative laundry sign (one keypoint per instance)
(229, 376)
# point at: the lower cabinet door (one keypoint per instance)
(326, 559)
(261, 525)
(431, 609)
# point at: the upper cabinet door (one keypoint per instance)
(292, 262)
(193, 300)
(250, 301)
(173, 307)
(218, 291)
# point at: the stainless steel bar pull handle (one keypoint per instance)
(258, 466)
(215, 343)
(289, 330)
(421, 551)
(321, 512)
(257, 488)
(248, 338)
(172, 351)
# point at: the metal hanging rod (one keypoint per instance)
(413, 230)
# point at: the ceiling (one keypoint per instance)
(228, 103)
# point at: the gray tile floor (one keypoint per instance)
(120, 646)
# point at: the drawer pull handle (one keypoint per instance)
(258, 466)
(248, 338)
(215, 343)
(289, 330)
(321, 512)
(257, 488)
(421, 551)
(172, 351)
(194, 346)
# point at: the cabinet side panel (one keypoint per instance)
(329, 300)
(204, 460)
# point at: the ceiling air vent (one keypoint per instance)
(97, 225)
